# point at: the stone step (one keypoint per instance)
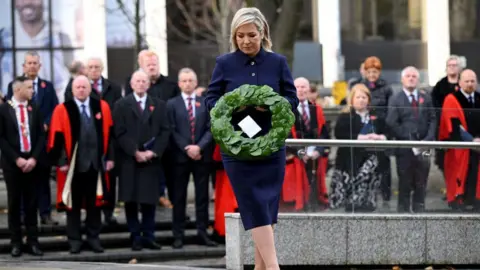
(124, 255)
(109, 240)
(60, 230)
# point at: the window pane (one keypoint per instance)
(6, 70)
(120, 29)
(6, 25)
(67, 18)
(31, 24)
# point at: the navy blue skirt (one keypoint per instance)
(257, 186)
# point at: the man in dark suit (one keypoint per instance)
(411, 117)
(142, 132)
(102, 88)
(22, 142)
(164, 89)
(45, 99)
(192, 152)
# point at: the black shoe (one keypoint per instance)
(137, 246)
(47, 220)
(206, 241)
(34, 249)
(75, 247)
(177, 244)
(150, 244)
(16, 251)
(95, 245)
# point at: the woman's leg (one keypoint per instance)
(264, 242)
(259, 263)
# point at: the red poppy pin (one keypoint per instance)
(456, 88)
(421, 100)
(29, 108)
(152, 108)
(197, 104)
(373, 117)
(43, 85)
(98, 116)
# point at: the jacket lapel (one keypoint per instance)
(30, 118)
(40, 91)
(133, 105)
(105, 87)
(11, 111)
(149, 107)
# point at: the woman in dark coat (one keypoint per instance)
(356, 177)
(256, 184)
(380, 92)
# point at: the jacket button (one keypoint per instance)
(253, 74)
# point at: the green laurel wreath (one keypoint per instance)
(231, 142)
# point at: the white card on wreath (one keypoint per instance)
(249, 126)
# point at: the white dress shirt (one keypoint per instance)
(142, 100)
(185, 99)
(99, 84)
(472, 95)
(307, 110)
(86, 103)
(409, 94)
(26, 128)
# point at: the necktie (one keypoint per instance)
(414, 105)
(95, 86)
(139, 103)
(23, 125)
(306, 121)
(470, 100)
(34, 96)
(191, 119)
(85, 117)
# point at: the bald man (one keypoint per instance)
(79, 139)
(142, 132)
(459, 122)
(310, 124)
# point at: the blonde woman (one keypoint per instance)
(355, 178)
(256, 184)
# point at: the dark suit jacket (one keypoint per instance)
(111, 92)
(46, 99)
(163, 88)
(180, 126)
(402, 123)
(10, 137)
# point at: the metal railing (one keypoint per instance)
(382, 144)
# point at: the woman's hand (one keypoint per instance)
(260, 109)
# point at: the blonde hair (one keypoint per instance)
(246, 16)
(359, 87)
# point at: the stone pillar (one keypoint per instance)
(328, 16)
(95, 31)
(436, 32)
(156, 30)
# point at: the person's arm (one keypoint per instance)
(394, 124)
(178, 139)
(432, 120)
(216, 88)
(163, 136)
(288, 90)
(7, 150)
(40, 143)
(120, 128)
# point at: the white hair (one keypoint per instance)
(187, 70)
(461, 61)
(95, 58)
(32, 53)
(410, 68)
(246, 16)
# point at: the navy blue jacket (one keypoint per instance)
(266, 68)
(46, 99)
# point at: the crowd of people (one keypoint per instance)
(147, 138)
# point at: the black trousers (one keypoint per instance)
(22, 188)
(413, 175)
(84, 187)
(111, 195)
(384, 169)
(169, 176)
(181, 172)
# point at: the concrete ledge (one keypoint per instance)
(367, 239)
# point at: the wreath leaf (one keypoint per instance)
(232, 142)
